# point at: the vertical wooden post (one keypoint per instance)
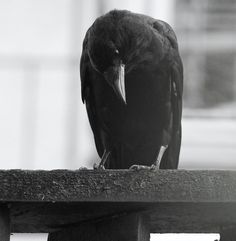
(4, 224)
(132, 227)
(228, 234)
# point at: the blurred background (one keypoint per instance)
(43, 123)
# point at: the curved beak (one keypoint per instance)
(119, 83)
(116, 78)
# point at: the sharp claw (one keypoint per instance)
(95, 166)
(98, 166)
(154, 167)
(134, 167)
(139, 167)
(101, 165)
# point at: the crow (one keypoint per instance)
(132, 83)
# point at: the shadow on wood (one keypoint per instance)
(131, 227)
(228, 234)
(4, 224)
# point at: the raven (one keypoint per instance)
(132, 83)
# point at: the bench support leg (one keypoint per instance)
(131, 227)
(4, 224)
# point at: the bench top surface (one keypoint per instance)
(174, 200)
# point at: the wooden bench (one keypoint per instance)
(117, 204)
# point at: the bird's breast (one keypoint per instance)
(141, 119)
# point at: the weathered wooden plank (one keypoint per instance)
(4, 224)
(131, 227)
(175, 201)
(118, 185)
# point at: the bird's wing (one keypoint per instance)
(170, 160)
(176, 91)
(86, 72)
(84, 62)
(176, 76)
(166, 30)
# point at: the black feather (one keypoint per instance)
(133, 133)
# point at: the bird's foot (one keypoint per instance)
(154, 167)
(101, 165)
(98, 166)
(140, 167)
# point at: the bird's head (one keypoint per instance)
(106, 59)
(119, 42)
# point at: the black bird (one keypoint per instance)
(132, 81)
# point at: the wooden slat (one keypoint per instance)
(4, 223)
(175, 201)
(133, 227)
